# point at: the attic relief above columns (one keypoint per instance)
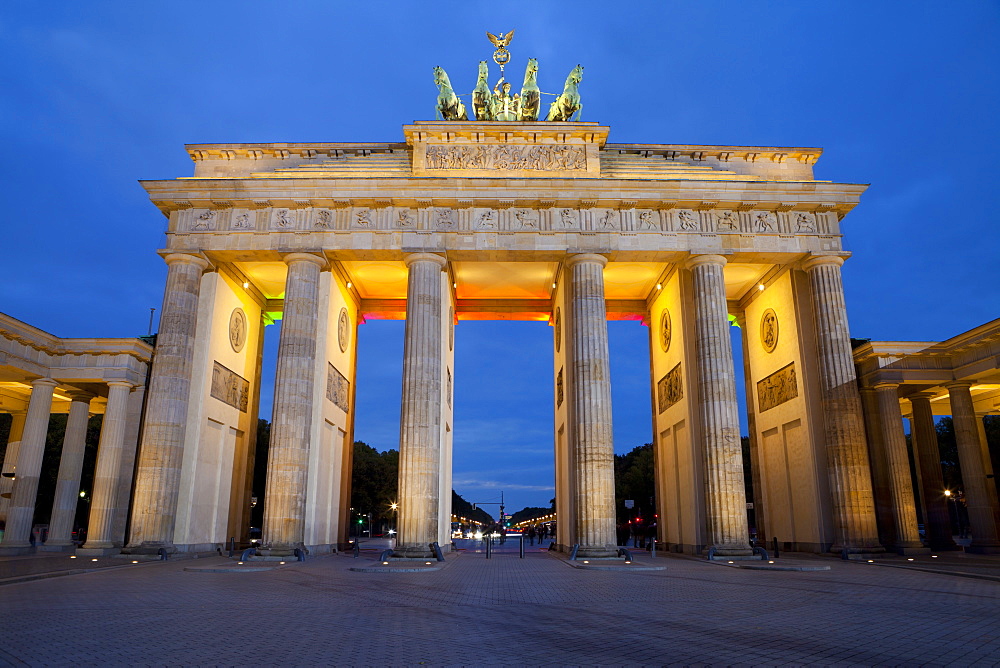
(503, 217)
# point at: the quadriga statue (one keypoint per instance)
(568, 104)
(482, 98)
(449, 107)
(531, 97)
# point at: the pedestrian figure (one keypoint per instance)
(531, 534)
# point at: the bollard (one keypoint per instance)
(357, 549)
(522, 546)
(247, 553)
(572, 554)
(775, 539)
(300, 554)
(489, 548)
(652, 548)
(437, 551)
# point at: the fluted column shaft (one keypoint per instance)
(154, 505)
(970, 459)
(881, 486)
(717, 410)
(904, 509)
(129, 451)
(70, 468)
(420, 414)
(924, 438)
(104, 503)
(294, 384)
(847, 459)
(590, 392)
(10, 459)
(991, 488)
(16, 538)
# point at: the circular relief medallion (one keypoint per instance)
(451, 328)
(558, 324)
(665, 330)
(238, 329)
(344, 329)
(769, 330)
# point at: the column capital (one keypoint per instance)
(44, 382)
(586, 257)
(698, 260)
(425, 257)
(886, 385)
(80, 395)
(922, 396)
(289, 258)
(959, 384)
(821, 261)
(176, 258)
(120, 383)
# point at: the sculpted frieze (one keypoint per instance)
(776, 389)
(670, 390)
(229, 387)
(338, 388)
(507, 157)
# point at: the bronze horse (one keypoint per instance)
(568, 104)
(449, 107)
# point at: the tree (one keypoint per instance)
(463, 508)
(374, 482)
(634, 480)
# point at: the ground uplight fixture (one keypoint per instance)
(93, 559)
(385, 563)
(427, 563)
(135, 562)
(281, 563)
(73, 557)
(239, 563)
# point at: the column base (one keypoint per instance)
(97, 551)
(729, 551)
(283, 552)
(907, 551)
(419, 551)
(597, 552)
(987, 548)
(150, 547)
(857, 549)
(16, 550)
(59, 546)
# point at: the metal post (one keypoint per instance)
(522, 545)
(489, 548)
(775, 547)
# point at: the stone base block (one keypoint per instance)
(97, 551)
(57, 547)
(16, 550)
(993, 548)
(912, 551)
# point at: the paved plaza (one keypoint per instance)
(504, 610)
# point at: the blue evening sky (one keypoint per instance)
(97, 95)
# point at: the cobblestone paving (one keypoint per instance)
(505, 610)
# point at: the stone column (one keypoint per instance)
(420, 414)
(718, 411)
(10, 460)
(590, 394)
(991, 487)
(847, 459)
(70, 469)
(881, 485)
(29, 465)
(974, 480)
(904, 509)
(127, 472)
(154, 505)
(104, 504)
(288, 455)
(923, 435)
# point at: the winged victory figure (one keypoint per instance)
(502, 41)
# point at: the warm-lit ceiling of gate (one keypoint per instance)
(508, 282)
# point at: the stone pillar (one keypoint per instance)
(294, 384)
(881, 485)
(923, 435)
(104, 504)
(718, 411)
(70, 468)
(847, 459)
(991, 487)
(590, 394)
(10, 460)
(420, 414)
(154, 505)
(904, 509)
(21, 512)
(974, 480)
(126, 475)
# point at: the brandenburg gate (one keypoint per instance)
(523, 220)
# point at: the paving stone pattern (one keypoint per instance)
(505, 610)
